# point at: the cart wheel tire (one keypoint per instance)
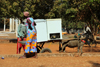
(45, 50)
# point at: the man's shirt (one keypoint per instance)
(87, 29)
(22, 30)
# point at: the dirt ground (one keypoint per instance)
(10, 48)
(51, 62)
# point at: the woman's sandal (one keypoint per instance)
(22, 57)
(34, 57)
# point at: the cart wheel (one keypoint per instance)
(45, 50)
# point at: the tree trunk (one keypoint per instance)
(93, 29)
(96, 29)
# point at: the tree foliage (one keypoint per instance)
(15, 8)
(89, 12)
(71, 11)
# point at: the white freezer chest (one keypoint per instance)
(48, 29)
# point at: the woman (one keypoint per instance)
(31, 39)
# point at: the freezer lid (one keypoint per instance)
(40, 20)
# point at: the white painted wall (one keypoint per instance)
(13, 25)
(10, 25)
(16, 21)
(4, 24)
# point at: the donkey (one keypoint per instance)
(73, 43)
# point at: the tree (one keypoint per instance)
(71, 11)
(89, 13)
(65, 9)
(15, 8)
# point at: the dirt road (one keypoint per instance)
(10, 48)
(51, 62)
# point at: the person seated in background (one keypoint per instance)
(77, 35)
(22, 31)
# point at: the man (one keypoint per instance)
(87, 30)
(88, 33)
(22, 31)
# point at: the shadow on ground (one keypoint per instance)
(94, 64)
(13, 40)
(86, 48)
(91, 49)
